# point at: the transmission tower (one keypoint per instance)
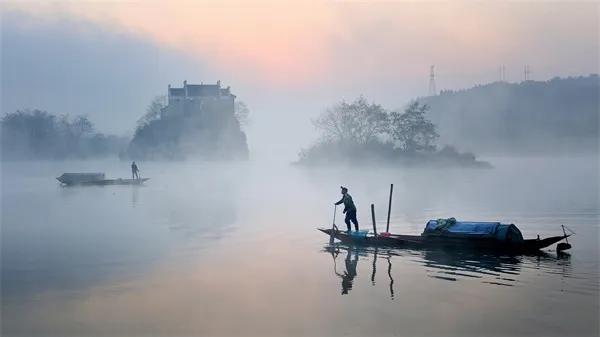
(502, 70)
(527, 73)
(432, 90)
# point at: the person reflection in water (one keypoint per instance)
(134, 171)
(349, 209)
(350, 272)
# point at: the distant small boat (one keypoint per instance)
(78, 178)
(458, 235)
(70, 179)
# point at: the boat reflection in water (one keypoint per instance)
(352, 254)
(447, 265)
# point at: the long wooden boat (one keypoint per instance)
(423, 241)
(74, 178)
(104, 182)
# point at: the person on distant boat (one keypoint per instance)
(349, 209)
(134, 171)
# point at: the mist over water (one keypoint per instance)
(230, 249)
(222, 239)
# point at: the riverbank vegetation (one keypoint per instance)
(37, 134)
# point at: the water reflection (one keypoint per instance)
(446, 265)
(134, 195)
(351, 261)
(449, 265)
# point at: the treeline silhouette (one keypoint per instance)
(552, 116)
(37, 134)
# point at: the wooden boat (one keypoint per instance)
(116, 182)
(450, 233)
(78, 178)
(439, 241)
(99, 182)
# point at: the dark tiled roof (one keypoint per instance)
(176, 92)
(203, 90)
(196, 90)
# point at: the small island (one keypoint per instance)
(199, 121)
(360, 133)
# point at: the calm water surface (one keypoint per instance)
(231, 250)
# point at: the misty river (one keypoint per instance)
(231, 249)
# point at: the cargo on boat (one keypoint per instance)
(449, 233)
(70, 179)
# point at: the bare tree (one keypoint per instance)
(153, 111)
(241, 112)
(411, 131)
(358, 122)
(82, 126)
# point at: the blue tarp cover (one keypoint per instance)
(471, 229)
(466, 228)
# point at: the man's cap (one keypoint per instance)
(343, 188)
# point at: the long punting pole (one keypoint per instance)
(373, 218)
(333, 228)
(565, 233)
(387, 227)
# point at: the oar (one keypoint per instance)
(333, 227)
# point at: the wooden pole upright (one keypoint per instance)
(373, 218)
(387, 227)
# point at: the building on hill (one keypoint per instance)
(194, 98)
(200, 92)
(198, 121)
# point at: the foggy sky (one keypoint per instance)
(286, 61)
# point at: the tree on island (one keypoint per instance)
(153, 111)
(241, 113)
(411, 131)
(358, 122)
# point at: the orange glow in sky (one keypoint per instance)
(292, 43)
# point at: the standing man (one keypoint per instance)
(349, 209)
(134, 171)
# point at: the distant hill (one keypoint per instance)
(559, 115)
